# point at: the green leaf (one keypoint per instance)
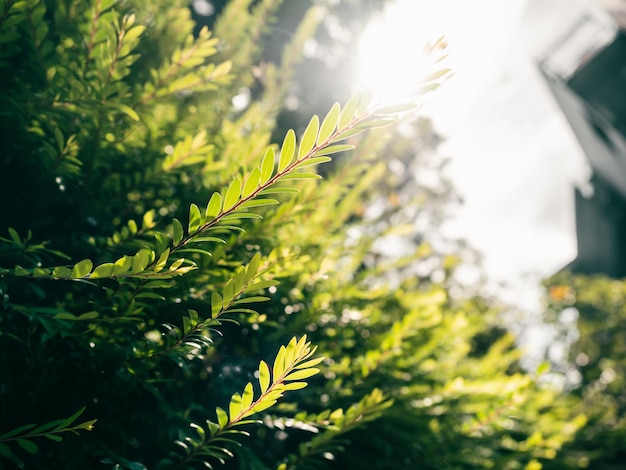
(279, 364)
(329, 124)
(46, 426)
(177, 228)
(140, 260)
(81, 269)
(275, 190)
(309, 137)
(61, 271)
(264, 376)
(216, 304)
(148, 220)
(130, 112)
(232, 194)
(395, 109)
(14, 236)
(195, 250)
(267, 165)
(263, 405)
(311, 363)
(235, 406)
(253, 266)
(287, 150)
(214, 206)
(252, 183)
(333, 149)
(313, 161)
(258, 203)
(123, 264)
(195, 218)
(348, 111)
(348, 133)
(65, 316)
(104, 270)
(302, 374)
(222, 417)
(251, 300)
(18, 430)
(300, 176)
(206, 239)
(262, 285)
(295, 385)
(88, 316)
(247, 397)
(376, 123)
(20, 271)
(28, 446)
(160, 264)
(67, 422)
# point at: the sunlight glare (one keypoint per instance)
(393, 56)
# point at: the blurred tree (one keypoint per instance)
(589, 312)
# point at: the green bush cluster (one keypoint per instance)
(172, 279)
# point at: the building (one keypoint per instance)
(586, 72)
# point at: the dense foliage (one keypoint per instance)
(172, 279)
(588, 312)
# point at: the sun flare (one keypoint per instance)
(396, 53)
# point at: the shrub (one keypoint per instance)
(172, 279)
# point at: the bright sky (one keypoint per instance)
(514, 158)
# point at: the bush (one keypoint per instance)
(172, 280)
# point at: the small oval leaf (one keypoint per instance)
(309, 137)
(232, 194)
(287, 150)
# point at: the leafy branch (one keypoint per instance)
(291, 366)
(335, 424)
(191, 337)
(23, 435)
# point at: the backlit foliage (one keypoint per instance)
(169, 273)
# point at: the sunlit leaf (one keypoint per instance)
(232, 194)
(258, 203)
(195, 218)
(264, 376)
(267, 165)
(287, 150)
(302, 374)
(253, 266)
(279, 364)
(329, 124)
(222, 417)
(295, 385)
(313, 161)
(309, 137)
(216, 304)
(247, 397)
(161, 262)
(81, 269)
(140, 261)
(214, 206)
(311, 363)
(349, 110)
(177, 228)
(396, 109)
(333, 149)
(300, 176)
(252, 183)
(235, 406)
